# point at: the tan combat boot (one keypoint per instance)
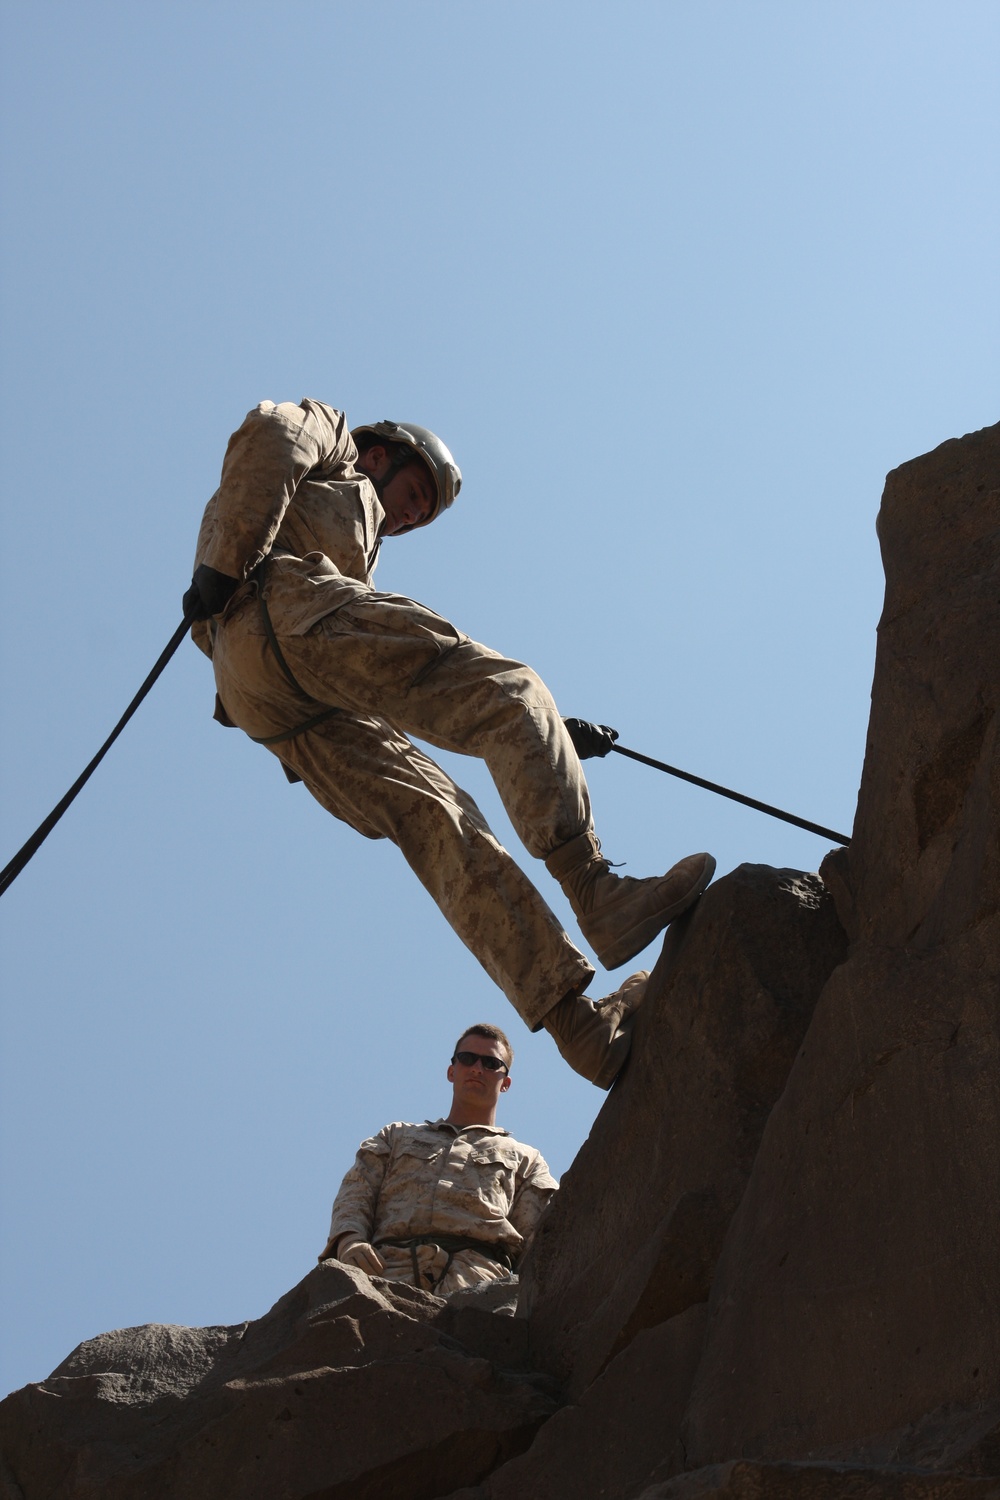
(619, 915)
(594, 1036)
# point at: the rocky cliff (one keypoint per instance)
(774, 1268)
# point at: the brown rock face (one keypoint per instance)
(625, 1427)
(343, 1390)
(859, 1290)
(633, 1237)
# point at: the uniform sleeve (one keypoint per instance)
(535, 1189)
(356, 1201)
(266, 460)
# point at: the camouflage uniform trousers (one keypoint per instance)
(395, 668)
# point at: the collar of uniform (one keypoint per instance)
(444, 1124)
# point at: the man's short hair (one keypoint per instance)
(492, 1034)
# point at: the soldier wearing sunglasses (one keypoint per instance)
(452, 1202)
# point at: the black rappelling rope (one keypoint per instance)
(41, 833)
(711, 786)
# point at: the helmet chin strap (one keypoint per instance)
(395, 466)
(400, 462)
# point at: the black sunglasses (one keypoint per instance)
(469, 1060)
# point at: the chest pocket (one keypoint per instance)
(495, 1171)
(416, 1150)
(417, 1162)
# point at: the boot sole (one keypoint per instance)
(629, 943)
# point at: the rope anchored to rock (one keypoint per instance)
(722, 791)
(600, 739)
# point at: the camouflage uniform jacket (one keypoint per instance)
(289, 483)
(474, 1183)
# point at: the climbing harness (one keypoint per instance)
(712, 786)
(272, 640)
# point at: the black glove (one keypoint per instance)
(209, 593)
(590, 739)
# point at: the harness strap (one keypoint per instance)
(272, 641)
(290, 734)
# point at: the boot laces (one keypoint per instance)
(609, 864)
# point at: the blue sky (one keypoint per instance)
(678, 283)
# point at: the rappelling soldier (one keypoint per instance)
(333, 677)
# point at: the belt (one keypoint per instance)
(452, 1244)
